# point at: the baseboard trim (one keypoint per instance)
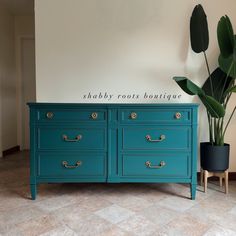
(232, 176)
(11, 151)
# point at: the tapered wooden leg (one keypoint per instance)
(221, 180)
(33, 189)
(226, 182)
(205, 180)
(201, 177)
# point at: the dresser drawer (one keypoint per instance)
(58, 138)
(155, 116)
(73, 115)
(58, 164)
(154, 138)
(162, 165)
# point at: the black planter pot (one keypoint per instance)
(214, 158)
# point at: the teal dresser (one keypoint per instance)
(114, 143)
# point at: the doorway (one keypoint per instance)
(28, 87)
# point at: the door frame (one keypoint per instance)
(19, 87)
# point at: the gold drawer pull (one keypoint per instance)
(94, 115)
(149, 165)
(149, 138)
(78, 138)
(133, 115)
(178, 115)
(65, 164)
(49, 115)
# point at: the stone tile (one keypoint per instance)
(128, 209)
(90, 226)
(60, 231)
(10, 218)
(71, 213)
(116, 231)
(228, 220)
(185, 225)
(38, 226)
(219, 202)
(209, 214)
(93, 202)
(114, 213)
(158, 215)
(152, 195)
(176, 203)
(138, 225)
(219, 231)
(233, 211)
(54, 203)
(128, 201)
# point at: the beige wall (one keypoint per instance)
(24, 29)
(12, 29)
(8, 81)
(123, 47)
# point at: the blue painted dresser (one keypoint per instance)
(113, 143)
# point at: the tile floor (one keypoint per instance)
(110, 209)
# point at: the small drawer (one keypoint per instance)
(155, 116)
(51, 115)
(174, 165)
(57, 138)
(156, 138)
(67, 165)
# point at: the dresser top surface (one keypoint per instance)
(105, 105)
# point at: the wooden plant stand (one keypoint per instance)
(222, 175)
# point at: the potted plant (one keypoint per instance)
(217, 89)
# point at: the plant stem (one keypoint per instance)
(210, 127)
(215, 131)
(222, 91)
(208, 69)
(229, 120)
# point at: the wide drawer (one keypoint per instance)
(58, 138)
(155, 115)
(58, 164)
(174, 165)
(171, 138)
(73, 115)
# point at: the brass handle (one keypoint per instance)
(65, 164)
(149, 165)
(94, 115)
(149, 138)
(178, 115)
(133, 115)
(49, 115)
(77, 138)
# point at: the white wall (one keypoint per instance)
(122, 47)
(7, 77)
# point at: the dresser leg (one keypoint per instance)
(193, 191)
(33, 189)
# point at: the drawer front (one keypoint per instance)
(58, 164)
(57, 138)
(155, 116)
(175, 165)
(177, 138)
(51, 115)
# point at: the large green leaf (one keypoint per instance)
(188, 86)
(199, 35)
(228, 65)
(231, 90)
(220, 83)
(225, 35)
(213, 107)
